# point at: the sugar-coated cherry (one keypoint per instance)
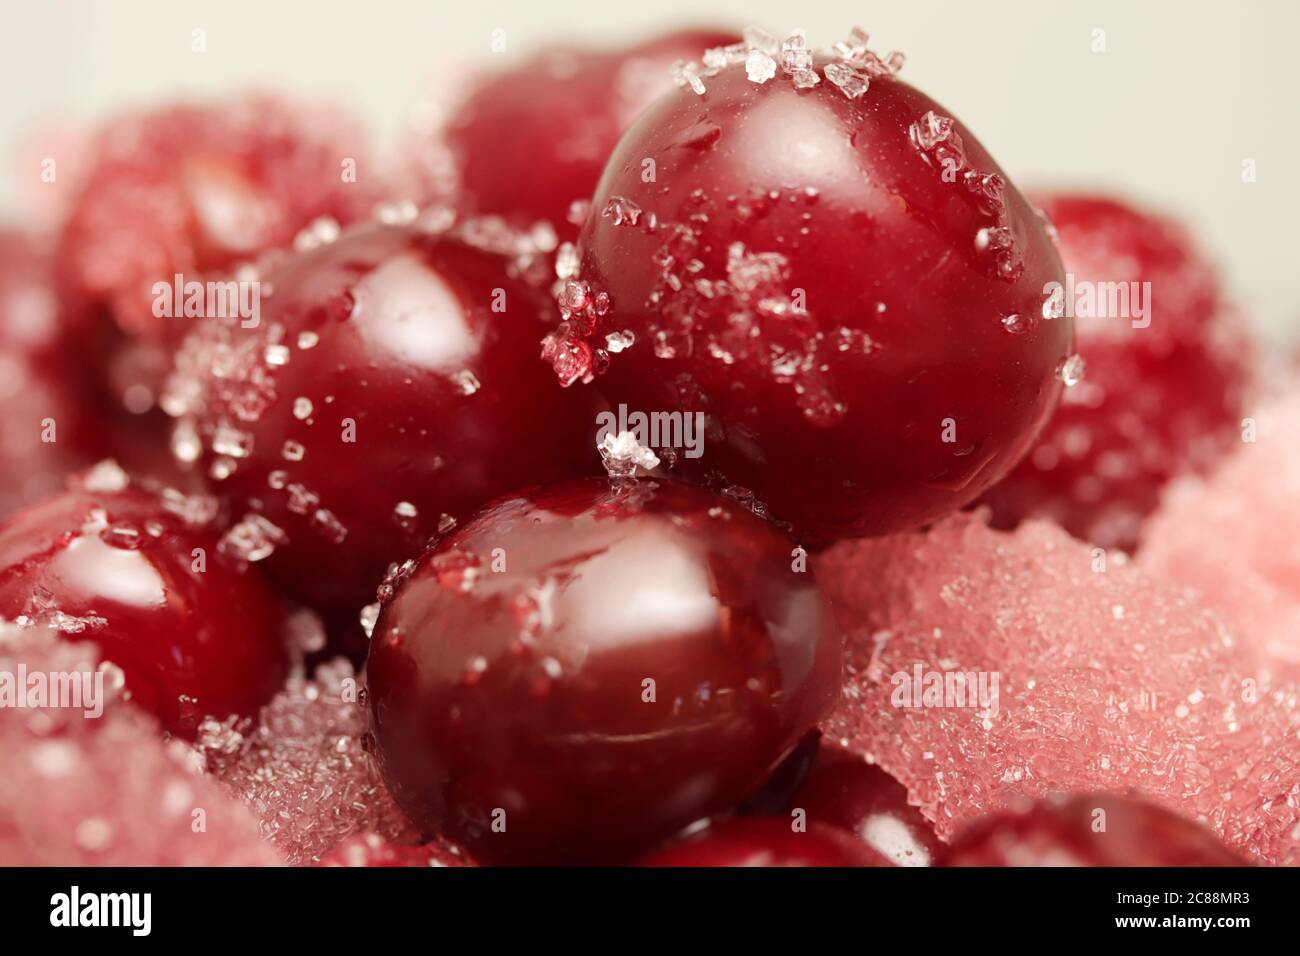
(148, 579)
(585, 669)
(562, 111)
(835, 274)
(391, 387)
(1088, 830)
(198, 188)
(844, 791)
(48, 426)
(1167, 361)
(767, 841)
(194, 189)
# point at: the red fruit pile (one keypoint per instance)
(788, 300)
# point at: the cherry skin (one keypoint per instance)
(1164, 390)
(563, 109)
(844, 791)
(193, 632)
(774, 796)
(767, 841)
(48, 425)
(587, 668)
(1088, 830)
(864, 338)
(391, 387)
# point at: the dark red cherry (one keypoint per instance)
(148, 579)
(1088, 830)
(1168, 363)
(844, 791)
(767, 841)
(845, 286)
(372, 850)
(48, 425)
(585, 669)
(562, 110)
(391, 387)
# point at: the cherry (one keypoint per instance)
(844, 791)
(391, 387)
(194, 190)
(1088, 830)
(843, 283)
(767, 841)
(48, 427)
(563, 110)
(585, 669)
(147, 578)
(1165, 384)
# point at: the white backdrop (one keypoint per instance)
(1183, 94)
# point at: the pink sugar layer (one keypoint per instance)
(304, 770)
(1106, 678)
(106, 790)
(1234, 537)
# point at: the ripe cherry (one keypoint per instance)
(391, 387)
(767, 841)
(1089, 830)
(843, 283)
(147, 578)
(844, 791)
(585, 669)
(1167, 366)
(563, 109)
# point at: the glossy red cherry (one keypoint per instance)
(563, 110)
(391, 387)
(1167, 365)
(48, 426)
(845, 286)
(149, 580)
(585, 669)
(1089, 830)
(844, 791)
(767, 841)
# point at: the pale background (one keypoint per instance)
(1183, 94)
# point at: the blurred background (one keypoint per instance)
(1172, 104)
